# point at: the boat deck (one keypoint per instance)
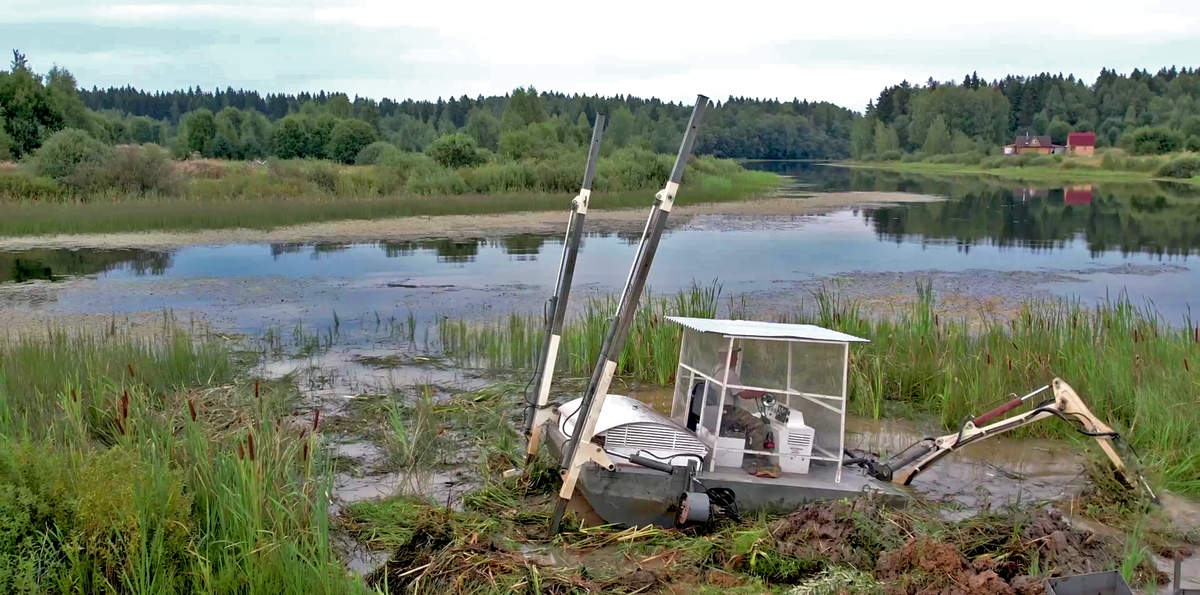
(790, 490)
(818, 477)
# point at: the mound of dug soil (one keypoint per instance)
(1068, 550)
(835, 532)
(925, 567)
(991, 555)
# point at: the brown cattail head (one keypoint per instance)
(125, 404)
(316, 419)
(241, 451)
(250, 443)
(257, 395)
(1196, 334)
(304, 453)
(1186, 367)
(74, 397)
(1135, 336)
(989, 358)
(192, 409)
(1008, 360)
(120, 425)
(130, 368)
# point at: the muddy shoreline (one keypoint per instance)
(471, 226)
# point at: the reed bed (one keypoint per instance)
(254, 209)
(1132, 368)
(146, 465)
(514, 341)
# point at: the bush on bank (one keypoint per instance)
(72, 167)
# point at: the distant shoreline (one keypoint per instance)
(1032, 173)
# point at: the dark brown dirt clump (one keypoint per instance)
(835, 532)
(925, 567)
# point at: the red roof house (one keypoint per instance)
(1081, 143)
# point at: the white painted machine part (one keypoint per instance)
(541, 414)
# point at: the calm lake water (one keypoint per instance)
(1104, 237)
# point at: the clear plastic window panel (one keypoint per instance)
(818, 372)
(764, 364)
(700, 350)
(818, 368)
(826, 425)
(685, 381)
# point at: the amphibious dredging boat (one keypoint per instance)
(758, 418)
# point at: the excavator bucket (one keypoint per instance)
(1071, 407)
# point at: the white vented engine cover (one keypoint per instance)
(630, 426)
(795, 444)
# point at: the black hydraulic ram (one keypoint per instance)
(556, 309)
(580, 449)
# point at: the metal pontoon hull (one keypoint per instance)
(632, 495)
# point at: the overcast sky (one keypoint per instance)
(839, 51)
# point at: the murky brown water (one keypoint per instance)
(992, 473)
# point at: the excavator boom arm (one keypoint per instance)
(1066, 405)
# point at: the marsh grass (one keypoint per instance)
(514, 342)
(1132, 368)
(147, 465)
(255, 210)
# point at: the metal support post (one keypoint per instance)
(537, 410)
(574, 457)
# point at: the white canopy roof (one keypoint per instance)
(754, 328)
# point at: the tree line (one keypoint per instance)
(1145, 113)
(1142, 112)
(244, 124)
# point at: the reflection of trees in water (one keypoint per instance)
(447, 250)
(1129, 218)
(315, 251)
(319, 250)
(278, 250)
(48, 264)
(524, 246)
(812, 176)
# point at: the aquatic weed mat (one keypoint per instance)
(498, 544)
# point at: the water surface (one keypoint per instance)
(1089, 241)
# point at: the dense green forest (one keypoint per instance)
(1141, 112)
(244, 124)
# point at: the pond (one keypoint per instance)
(1085, 240)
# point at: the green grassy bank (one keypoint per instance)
(267, 213)
(135, 188)
(1112, 165)
(1131, 368)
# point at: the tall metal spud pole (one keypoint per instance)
(575, 456)
(536, 411)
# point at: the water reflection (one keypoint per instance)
(1161, 220)
(1152, 219)
(44, 264)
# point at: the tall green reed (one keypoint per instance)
(514, 342)
(163, 471)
